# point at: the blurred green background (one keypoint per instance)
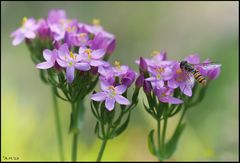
(180, 28)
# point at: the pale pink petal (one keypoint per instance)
(30, 34)
(96, 63)
(47, 54)
(97, 54)
(173, 100)
(62, 63)
(104, 86)
(120, 89)
(150, 79)
(187, 90)
(109, 103)
(101, 96)
(45, 65)
(70, 74)
(63, 51)
(82, 66)
(18, 39)
(172, 83)
(122, 100)
(81, 50)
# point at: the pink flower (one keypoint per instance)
(164, 95)
(50, 57)
(92, 57)
(70, 61)
(27, 30)
(110, 95)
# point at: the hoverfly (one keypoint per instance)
(191, 72)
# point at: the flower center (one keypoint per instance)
(117, 64)
(179, 79)
(89, 53)
(160, 70)
(155, 52)
(24, 20)
(164, 95)
(82, 35)
(178, 71)
(112, 92)
(70, 63)
(96, 22)
(72, 55)
(71, 29)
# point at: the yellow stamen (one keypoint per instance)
(24, 20)
(96, 22)
(69, 29)
(178, 71)
(111, 88)
(155, 52)
(82, 34)
(89, 53)
(164, 95)
(72, 55)
(117, 64)
(160, 70)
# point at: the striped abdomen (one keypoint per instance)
(199, 77)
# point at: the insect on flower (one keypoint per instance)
(191, 71)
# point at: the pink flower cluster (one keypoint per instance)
(92, 42)
(162, 76)
(114, 82)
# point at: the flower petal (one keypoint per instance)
(100, 96)
(82, 66)
(120, 89)
(18, 39)
(45, 65)
(96, 63)
(62, 63)
(174, 100)
(70, 74)
(109, 103)
(150, 79)
(122, 100)
(187, 90)
(97, 54)
(193, 59)
(173, 83)
(30, 34)
(47, 54)
(63, 51)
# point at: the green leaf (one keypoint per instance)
(172, 143)
(123, 126)
(151, 144)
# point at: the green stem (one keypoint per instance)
(58, 124)
(159, 138)
(181, 118)
(74, 147)
(75, 135)
(164, 133)
(103, 145)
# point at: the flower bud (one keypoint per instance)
(140, 80)
(147, 87)
(111, 47)
(142, 65)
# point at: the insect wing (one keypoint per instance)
(189, 78)
(208, 66)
